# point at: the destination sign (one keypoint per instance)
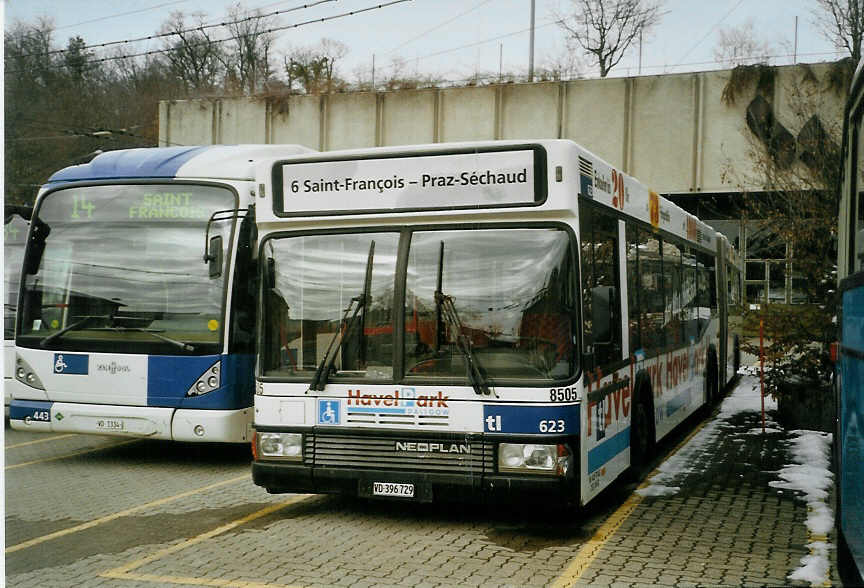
(430, 182)
(136, 203)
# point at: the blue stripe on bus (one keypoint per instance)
(598, 456)
(22, 409)
(169, 377)
(130, 163)
(552, 419)
(375, 410)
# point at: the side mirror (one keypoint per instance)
(39, 231)
(214, 256)
(602, 314)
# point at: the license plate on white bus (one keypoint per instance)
(392, 489)
(111, 425)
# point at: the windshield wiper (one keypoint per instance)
(445, 311)
(319, 380)
(76, 325)
(153, 332)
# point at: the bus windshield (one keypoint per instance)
(496, 303)
(123, 270)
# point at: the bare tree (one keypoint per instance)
(247, 62)
(605, 29)
(194, 57)
(314, 68)
(842, 22)
(738, 45)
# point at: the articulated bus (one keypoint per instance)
(478, 320)
(849, 437)
(15, 223)
(136, 312)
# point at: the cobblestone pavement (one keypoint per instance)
(101, 511)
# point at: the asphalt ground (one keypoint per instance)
(102, 511)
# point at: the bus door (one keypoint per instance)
(606, 430)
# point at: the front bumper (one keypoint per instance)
(457, 481)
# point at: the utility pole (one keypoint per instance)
(531, 47)
(373, 72)
(795, 51)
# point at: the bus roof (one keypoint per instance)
(209, 161)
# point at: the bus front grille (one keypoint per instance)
(399, 453)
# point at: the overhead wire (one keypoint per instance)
(711, 30)
(217, 41)
(435, 28)
(110, 16)
(181, 32)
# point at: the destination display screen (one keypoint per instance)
(141, 202)
(475, 179)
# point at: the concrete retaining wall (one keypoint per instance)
(672, 132)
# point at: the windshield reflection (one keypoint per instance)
(129, 259)
(511, 289)
(14, 240)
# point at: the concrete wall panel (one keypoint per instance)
(663, 123)
(727, 141)
(408, 117)
(188, 122)
(242, 120)
(351, 120)
(296, 120)
(467, 114)
(596, 118)
(672, 132)
(529, 111)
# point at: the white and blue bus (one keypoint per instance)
(491, 319)
(136, 314)
(15, 223)
(849, 437)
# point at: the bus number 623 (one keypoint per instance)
(552, 426)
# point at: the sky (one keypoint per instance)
(451, 39)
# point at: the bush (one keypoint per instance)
(797, 344)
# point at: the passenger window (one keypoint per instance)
(601, 301)
(633, 286)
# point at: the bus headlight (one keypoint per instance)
(26, 375)
(530, 458)
(206, 382)
(280, 445)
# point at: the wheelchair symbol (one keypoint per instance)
(60, 365)
(328, 412)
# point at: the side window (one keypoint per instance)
(672, 289)
(689, 294)
(856, 204)
(858, 237)
(600, 289)
(634, 287)
(652, 301)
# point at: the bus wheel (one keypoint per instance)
(736, 354)
(712, 385)
(641, 433)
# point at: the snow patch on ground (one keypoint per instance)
(811, 476)
(658, 490)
